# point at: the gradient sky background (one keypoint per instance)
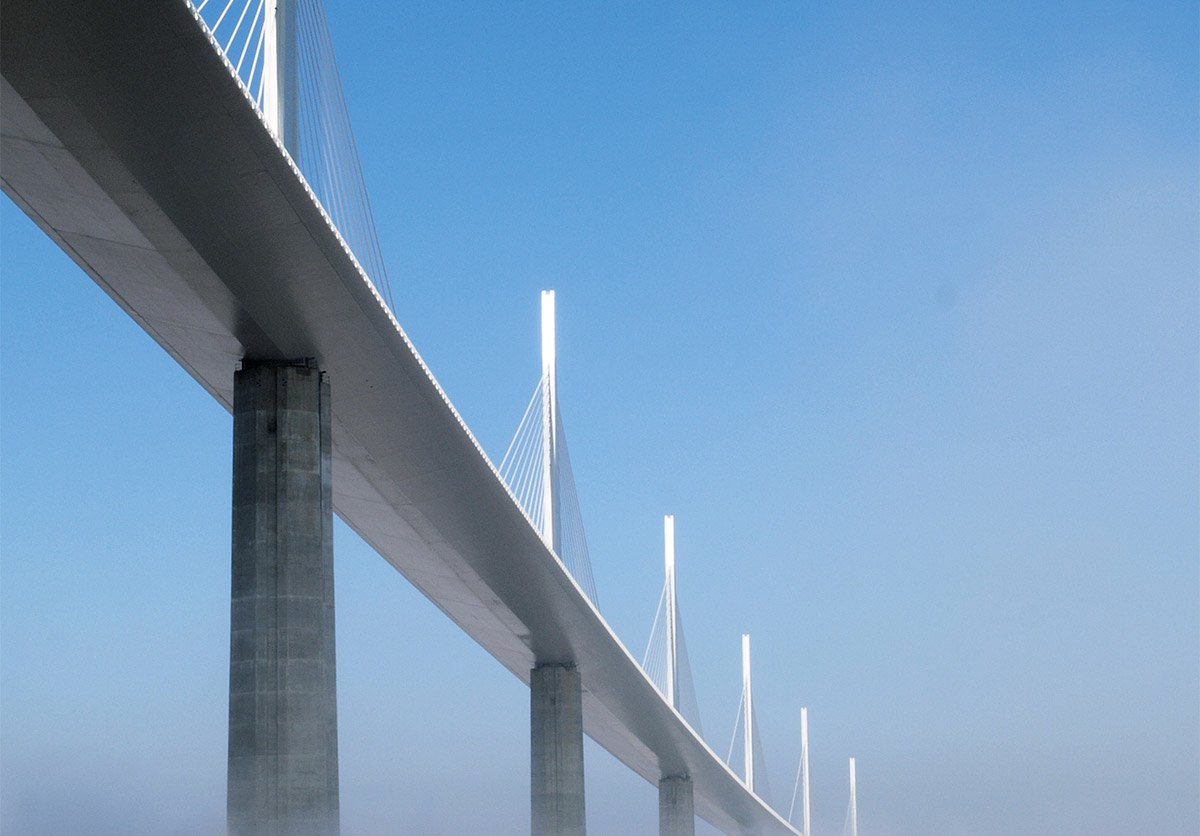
(895, 308)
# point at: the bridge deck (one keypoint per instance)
(127, 138)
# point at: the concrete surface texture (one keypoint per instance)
(283, 769)
(556, 754)
(676, 806)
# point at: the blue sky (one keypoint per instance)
(895, 308)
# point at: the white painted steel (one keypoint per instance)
(270, 69)
(549, 422)
(226, 254)
(672, 612)
(747, 715)
(853, 800)
(804, 797)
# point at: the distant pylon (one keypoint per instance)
(853, 801)
(551, 525)
(804, 798)
(748, 714)
(672, 612)
(802, 777)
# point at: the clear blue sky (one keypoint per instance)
(895, 308)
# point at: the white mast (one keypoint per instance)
(549, 423)
(270, 69)
(672, 612)
(804, 769)
(280, 91)
(853, 801)
(748, 714)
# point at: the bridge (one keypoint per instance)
(196, 161)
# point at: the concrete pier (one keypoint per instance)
(283, 768)
(676, 807)
(556, 714)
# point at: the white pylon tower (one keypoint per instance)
(550, 521)
(853, 801)
(804, 797)
(672, 612)
(748, 714)
(270, 70)
(280, 90)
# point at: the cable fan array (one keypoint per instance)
(323, 145)
(654, 662)
(736, 752)
(523, 469)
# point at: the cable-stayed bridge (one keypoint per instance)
(196, 160)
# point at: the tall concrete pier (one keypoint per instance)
(676, 806)
(556, 702)
(283, 769)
